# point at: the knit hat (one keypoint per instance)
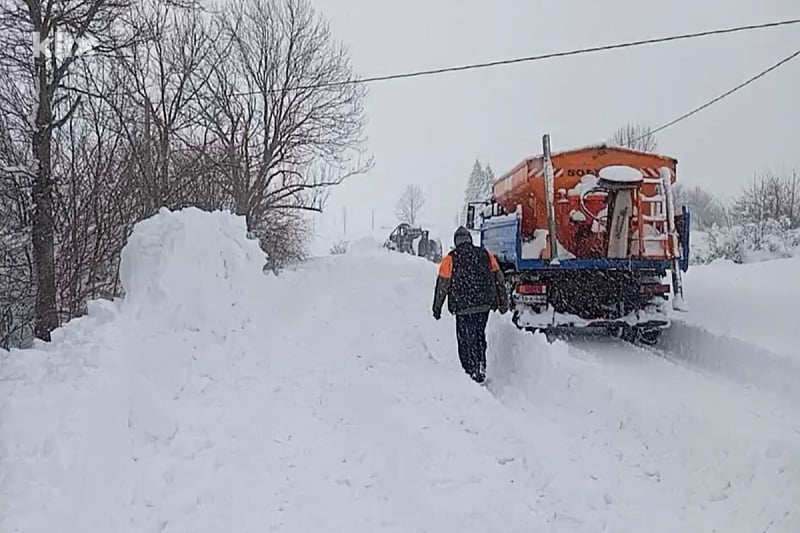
(462, 235)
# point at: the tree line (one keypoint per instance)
(124, 107)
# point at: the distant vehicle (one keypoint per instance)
(415, 241)
(585, 238)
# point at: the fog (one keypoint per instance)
(429, 131)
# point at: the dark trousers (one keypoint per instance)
(471, 335)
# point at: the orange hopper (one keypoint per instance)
(524, 185)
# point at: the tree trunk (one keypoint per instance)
(42, 230)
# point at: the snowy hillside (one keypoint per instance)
(214, 398)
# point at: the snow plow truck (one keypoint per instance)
(586, 239)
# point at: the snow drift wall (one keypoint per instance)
(189, 267)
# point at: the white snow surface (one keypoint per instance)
(587, 183)
(651, 248)
(216, 398)
(621, 174)
(755, 302)
(534, 248)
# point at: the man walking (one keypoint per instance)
(471, 280)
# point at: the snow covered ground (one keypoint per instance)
(742, 323)
(755, 302)
(214, 398)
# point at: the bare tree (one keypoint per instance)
(161, 82)
(40, 43)
(793, 197)
(635, 137)
(410, 204)
(254, 109)
(706, 208)
(770, 197)
(16, 262)
(95, 204)
(283, 111)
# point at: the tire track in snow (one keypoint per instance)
(744, 362)
(390, 387)
(717, 453)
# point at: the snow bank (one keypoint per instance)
(191, 266)
(64, 441)
(328, 399)
(79, 414)
(754, 302)
(365, 244)
(646, 441)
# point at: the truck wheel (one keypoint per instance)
(650, 336)
(515, 319)
(629, 334)
(551, 336)
(638, 335)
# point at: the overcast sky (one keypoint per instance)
(429, 131)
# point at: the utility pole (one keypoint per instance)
(344, 219)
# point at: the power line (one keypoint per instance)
(541, 57)
(721, 96)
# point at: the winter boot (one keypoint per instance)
(479, 374)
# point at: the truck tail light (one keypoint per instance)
(653, 289)
(531, 289)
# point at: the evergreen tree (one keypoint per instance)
(479, 186)
(488, 182)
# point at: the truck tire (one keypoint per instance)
(650, 337)
(639, 335)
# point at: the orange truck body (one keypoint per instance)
(524, 185)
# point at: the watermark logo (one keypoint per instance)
(61, 45)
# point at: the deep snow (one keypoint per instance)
(215, 398)
(754, 302)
